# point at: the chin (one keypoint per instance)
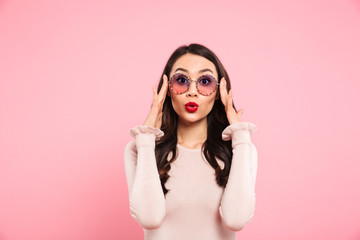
(191, 117)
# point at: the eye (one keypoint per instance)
(181, 79)
(206, 80)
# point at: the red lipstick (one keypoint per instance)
(191, 107)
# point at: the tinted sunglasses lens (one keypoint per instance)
(179, 83)
(207, 84)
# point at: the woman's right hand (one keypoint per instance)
(155, 115)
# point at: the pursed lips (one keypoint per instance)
(191, 106)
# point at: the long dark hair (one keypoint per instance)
(214, 147)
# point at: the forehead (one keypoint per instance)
(193, 64)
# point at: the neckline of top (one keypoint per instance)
(188, 149)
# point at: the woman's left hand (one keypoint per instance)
(227, 100)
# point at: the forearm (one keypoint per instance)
(238, 200)
(147, 201)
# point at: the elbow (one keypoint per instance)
(236, 222)
(152, 222)
(150, 219)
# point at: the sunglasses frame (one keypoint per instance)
(196, 82)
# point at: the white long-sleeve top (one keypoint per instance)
(196, 207)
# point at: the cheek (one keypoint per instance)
(176, 102)
(210, 103)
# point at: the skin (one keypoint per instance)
(192, 127)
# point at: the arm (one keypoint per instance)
(238, 201)
(146, 197)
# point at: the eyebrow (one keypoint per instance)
(203, 70)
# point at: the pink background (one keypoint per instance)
(76, 75)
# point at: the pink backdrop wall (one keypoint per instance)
(76, 75)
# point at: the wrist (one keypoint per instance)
(239, 132)
(146, 130)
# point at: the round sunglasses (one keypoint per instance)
(205, 85)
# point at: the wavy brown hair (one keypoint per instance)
(214, 147)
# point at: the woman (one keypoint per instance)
(191, 168)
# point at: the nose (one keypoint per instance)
(192, 91)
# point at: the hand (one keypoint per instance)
(226, 99)
(155, 115)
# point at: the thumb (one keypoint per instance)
(240, 113)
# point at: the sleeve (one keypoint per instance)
(237, 205)
(146, 197)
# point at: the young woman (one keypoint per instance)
(191, 168)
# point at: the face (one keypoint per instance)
(193, 66)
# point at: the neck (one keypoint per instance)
(192, 135)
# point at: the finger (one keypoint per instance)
(223, 92)
(163, 89)
(155, 96)
(230, 105)
(230, 101)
